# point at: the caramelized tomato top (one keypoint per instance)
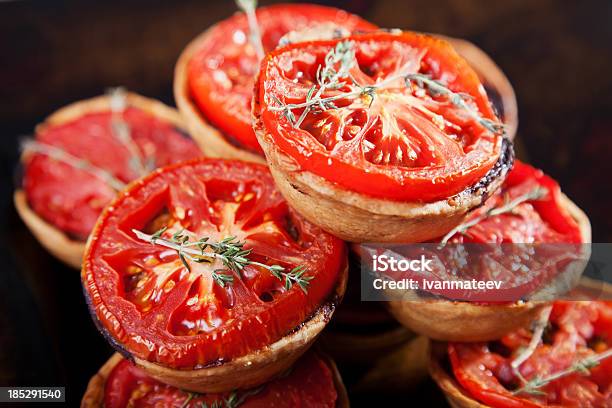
(576, 330)
(309, 383)
(71, 198)
(158, 310)
(222, 72)
(544, 220)
(408, 142)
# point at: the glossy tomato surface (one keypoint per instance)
(407, 143)
(309, 383)
(544, 220)
(157, 309)
(576, 330)
(71, 198)
(222, 73)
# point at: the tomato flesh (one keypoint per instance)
(577, 330)
(310, 383)
(405, 144)
(222, 73)
(542, 220)
(147, 300)
(70, 198)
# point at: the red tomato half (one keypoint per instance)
(535, 221)
(222, 73)
(71, 198)
(577, 330)
(408, 143)
(310, 383)
(157, 309)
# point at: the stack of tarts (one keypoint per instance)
(212, 277)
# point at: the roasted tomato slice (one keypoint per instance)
(544, 219)
(161, 311)
(576, 330)
(426, 132)
(310, 383)
(222, 73)
(69, 196)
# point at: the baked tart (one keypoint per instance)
(379, 137)
(314, 381)
(538, 213)
(203, 276)
(214, 76)
(569, 366)
(86, 152)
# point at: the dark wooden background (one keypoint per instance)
(558, 55)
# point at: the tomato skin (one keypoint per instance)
(72, 199)
(309, 383)
(345, 165)
(479, 370)
(222, 73)
(198, 193)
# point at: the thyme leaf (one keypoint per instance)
(230, 251)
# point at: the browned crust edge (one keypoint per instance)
(479, 323)
(210, 139)
(94, 394)
(54, 240)
(257, 367)
(491, 74)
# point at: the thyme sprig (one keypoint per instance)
(249, 7)
(123, 133)
(459, 99)
(538, 327)
(330, 78)
(581, 366)
(61, 155)
(230, 251)
(507, 207)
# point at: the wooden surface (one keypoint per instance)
(557, 54)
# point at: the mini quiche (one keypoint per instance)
(214, 76)
(570, 366)
(540, 213)
(379, 137)
(203, 276)
(85, 153)
(313, 381)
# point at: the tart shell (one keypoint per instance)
(357, 217)
(213, 141)
(94, 394)
(248, 371)
(57, 242)
(464, 321)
